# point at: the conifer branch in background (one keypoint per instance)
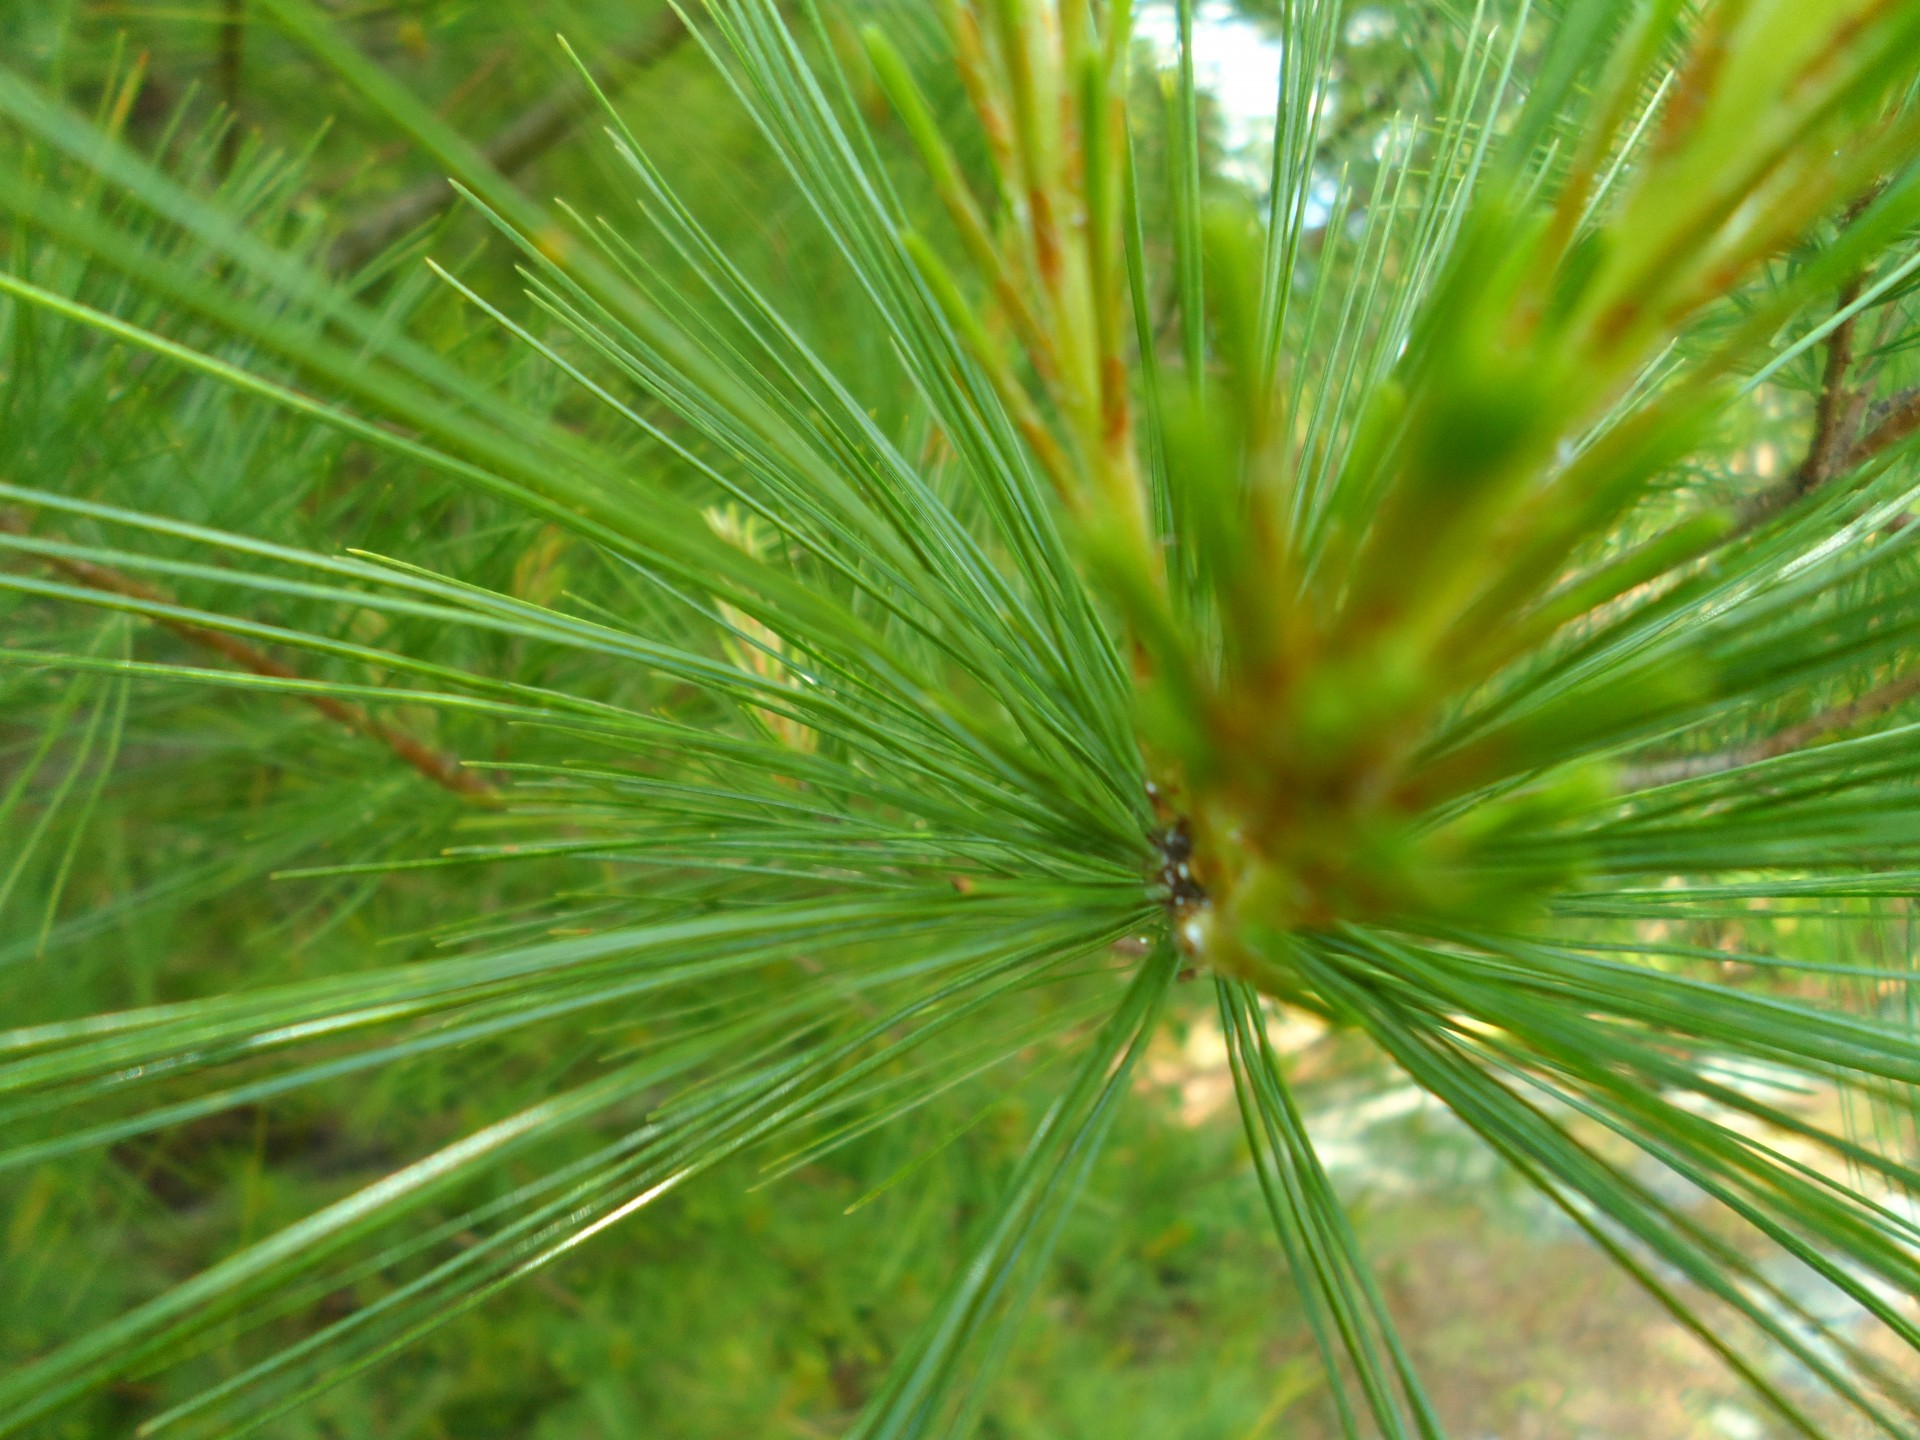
(511, 149)
(443, 770)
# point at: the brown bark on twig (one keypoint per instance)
(1837, 447)
(1836, 416)
(1892, 424)
(443, 770)
(1840, 410)
(1830, 721)
(1832, 453)
(512, 149)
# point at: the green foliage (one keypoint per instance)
(892, 635)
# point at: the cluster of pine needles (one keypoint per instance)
(1402, 602)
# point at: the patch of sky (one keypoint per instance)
(1236, 61)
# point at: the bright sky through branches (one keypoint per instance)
(1236, 61)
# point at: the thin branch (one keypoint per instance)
(443, 770)
(1831, 721)
(1892, 423)
(1838, 411)
(1836, 418)
(513, 148)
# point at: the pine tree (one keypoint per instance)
(1387, 602)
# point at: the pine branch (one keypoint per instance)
(512, 149)
(443, 770)
(1837, 446)
(1831, 721)
(1263, 646)
(1893, 422)
(1837, 415)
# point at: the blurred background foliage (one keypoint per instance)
(148, 829)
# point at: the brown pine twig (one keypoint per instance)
(1836, 418)
(1892, 424)
(1838, 412)
(1836, 718)
(443, 770)
(512, 149)
(1836, 448)
(1831, 721)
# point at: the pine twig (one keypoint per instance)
(1838, 411)
(516, 146)
(1837, 414)
(1836, 448)
(1893, 423)
(1838, 417)
(1831, 721)
(1833, 451)
(443, 770)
